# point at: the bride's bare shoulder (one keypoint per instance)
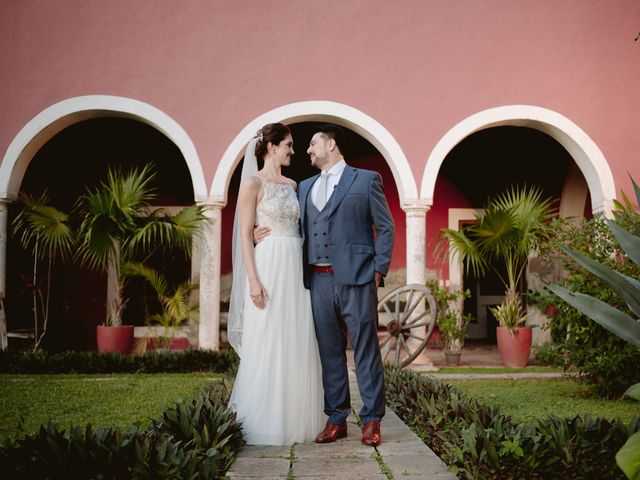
(251, 184)
(292, 182)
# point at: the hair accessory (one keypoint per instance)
(259, 135)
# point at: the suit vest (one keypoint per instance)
(317, 233)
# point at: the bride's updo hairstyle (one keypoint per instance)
(271, 132)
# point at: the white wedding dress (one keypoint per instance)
(278, 393)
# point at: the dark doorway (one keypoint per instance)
(75, 159)
(489, 162)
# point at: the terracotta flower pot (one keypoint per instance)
(453, 359)
(115, 339)
(514, 349)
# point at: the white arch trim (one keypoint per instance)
(584, 151)
(55, 118)
(326, 111)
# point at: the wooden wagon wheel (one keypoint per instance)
(407, 328)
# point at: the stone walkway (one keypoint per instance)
(402, 455)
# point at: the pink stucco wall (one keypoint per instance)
(418, 67)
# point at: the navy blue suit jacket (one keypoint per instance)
(361, 228)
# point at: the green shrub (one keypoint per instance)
(477, 441)
(606, 362)
(93, 362)
(163, 451)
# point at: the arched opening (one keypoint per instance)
(74, 159)
(578, 174)
(359, 153)
(367, 132)
(482, 165)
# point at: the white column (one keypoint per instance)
(209, 250)
(4, 210)
(416, 215)
(416, 243)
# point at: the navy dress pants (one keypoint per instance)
(354, 307)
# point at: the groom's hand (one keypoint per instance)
(377, 276)
(260, 233)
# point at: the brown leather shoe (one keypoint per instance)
(331, 433)
(371, 433)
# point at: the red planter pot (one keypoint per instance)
(115, 339)
(514, 349)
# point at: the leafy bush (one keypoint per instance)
(606, 362)
(94, 362)
(477, 441)
(160, 452)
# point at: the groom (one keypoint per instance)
(348, 233)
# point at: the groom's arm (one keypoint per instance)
(383, 224)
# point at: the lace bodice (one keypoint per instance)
(279, 209)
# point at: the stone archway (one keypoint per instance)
(580, 146)
(310, 111)
(57, 117)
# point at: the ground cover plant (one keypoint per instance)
(192, 440)
(224, 361)
(115, 400)
(478, 441)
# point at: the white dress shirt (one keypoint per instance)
(332, 181)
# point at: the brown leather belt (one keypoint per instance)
(319, 269)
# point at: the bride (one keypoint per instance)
(277, 393)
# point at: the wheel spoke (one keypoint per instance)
(417, 337)
(409, 325)
(404, 344)
(416, 325)
(385, 341)
(408, 312)
(386, 309)
(397, 308)
(407, 303)
(398, 350)
(389, 348)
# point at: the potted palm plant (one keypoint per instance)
(507, 232)
(117, 223)
(176, 306)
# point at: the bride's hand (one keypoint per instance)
(258, 294)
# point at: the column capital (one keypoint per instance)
(416, 207)
(212, 204)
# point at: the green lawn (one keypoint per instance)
(530, 399)
(112, 400)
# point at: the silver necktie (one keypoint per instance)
(321, 197)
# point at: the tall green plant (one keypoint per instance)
(118, 223)
(614, 320)
(177, 305)
(47, 233)
(507, 231)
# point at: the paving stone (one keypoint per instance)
(347, 476)
(397, 435)
(232, 476)
(330, 450)
(353, 467)
(259, 467)
(404, 448)
(265, 451)
(414, 464)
